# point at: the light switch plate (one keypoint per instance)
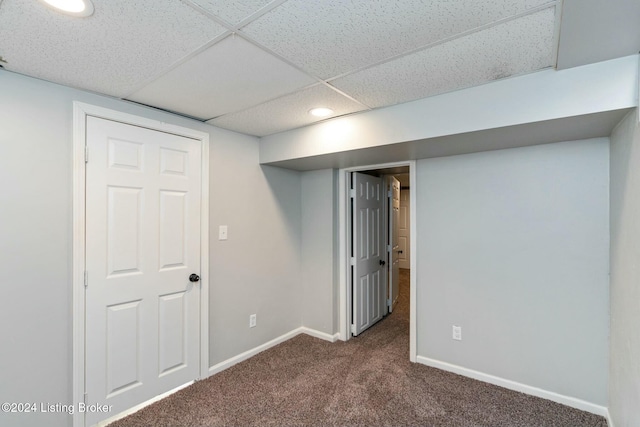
(222, 232)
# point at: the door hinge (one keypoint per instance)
(352, 261)
(86, 278)
(389, 248)
(389, 302)
(86, 154)
(353, 328)
(352, 193)
(389, 193)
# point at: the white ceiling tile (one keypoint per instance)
(518, 46)
(332, 37)
(288, 112)
(232, 11)
(229, 76)
(122, 45)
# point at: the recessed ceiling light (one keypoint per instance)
(71, 7)
(321, 112)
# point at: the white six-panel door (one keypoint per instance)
(142, 244)
(369, 280)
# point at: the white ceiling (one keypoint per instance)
(258, 66)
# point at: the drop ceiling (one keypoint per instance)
(259, 66)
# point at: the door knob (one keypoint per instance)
(382, 262)
(194, 278)
(400, 251)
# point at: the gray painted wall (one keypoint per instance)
(513, 246)
(319, 231)
(35, 243)
(624, 367)
(255, 271)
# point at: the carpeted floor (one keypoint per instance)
(367, 381)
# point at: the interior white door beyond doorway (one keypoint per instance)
(404, 229)
(144, 224)
(344, 252)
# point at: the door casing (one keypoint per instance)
(392, 236)
(80, 113)
(344, 249)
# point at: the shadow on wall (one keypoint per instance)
(285, 194)
(622, 156)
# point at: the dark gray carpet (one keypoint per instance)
(367, 381)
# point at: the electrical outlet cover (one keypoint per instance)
(457, 333)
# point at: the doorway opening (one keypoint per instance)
(377, 245)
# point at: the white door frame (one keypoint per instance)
(80, 113)
(344, 247)
(391, 234)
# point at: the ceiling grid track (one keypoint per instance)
(179, 62)
(448, 39)
(327, 82)
(261, 66)
(556, 44)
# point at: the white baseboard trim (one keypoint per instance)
(317, 334)
(609, 419)
(250, 353)
(136, 408)
(227, 364)
(282, 338)
(512, 385)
